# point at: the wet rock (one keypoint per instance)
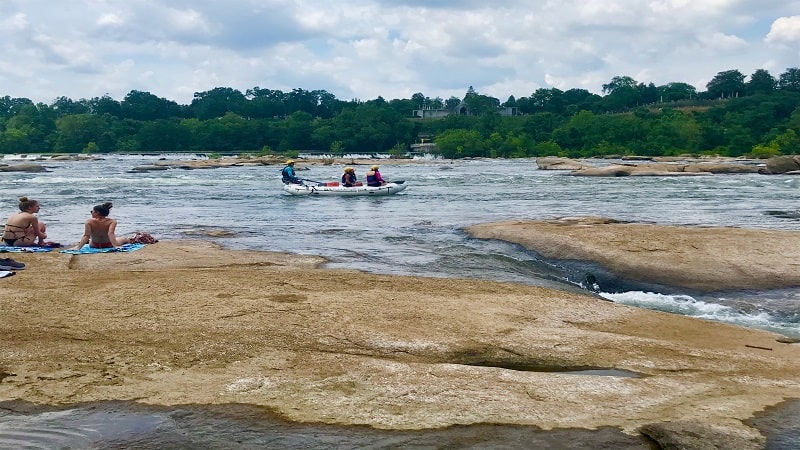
(555, 163)
(783, 164)
(148, 168)
(721, 168)
(665, 169)
(24, 167)
(692, 435)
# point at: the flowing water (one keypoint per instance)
(419, 231)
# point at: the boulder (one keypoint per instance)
(148, 168)
(721, 168)
(665, 169)
(692, 435)
(625, 170)
(24, 167)
(783, 164)
(557, 163)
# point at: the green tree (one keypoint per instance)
(479, 104)
(787, 142)
(75, 132)
(548, 148)
(217, 102)
(264, 103)
(299, 129)
(790, 80)
(105, 105)
(623, 92)
(139, 105)
(9, 106)
(729, 83)
(162, 135)
(675, 91)
(64, 106)
(337, 148)
(460, 143)
(619, 82)
(14, 140)
(452, 102)
(761, 82)
(31, 128)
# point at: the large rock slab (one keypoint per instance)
(700, 258)
(664, 169)
(783, 164)
(190, 323)
(557, 163)
(23, 167)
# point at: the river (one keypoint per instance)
(419, 231)
(416, 232)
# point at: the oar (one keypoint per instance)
(313, 181)
(398, 181)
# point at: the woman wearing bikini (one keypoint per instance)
(99, 230)
(22, 229)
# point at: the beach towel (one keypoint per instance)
(31, 249)
(85, 250)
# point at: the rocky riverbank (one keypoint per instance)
(187, 322)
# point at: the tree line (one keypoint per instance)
(736, 115)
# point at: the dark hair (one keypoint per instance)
(25, 203)
(104, 209)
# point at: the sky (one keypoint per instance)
(365, 49)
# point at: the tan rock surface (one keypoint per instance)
(187, 322)
(702, 258)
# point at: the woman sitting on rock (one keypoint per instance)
(99, 230)
(22, 229)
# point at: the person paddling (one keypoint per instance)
(287, 174)
(349, 177)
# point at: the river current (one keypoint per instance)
(416, 232)
(419, 231)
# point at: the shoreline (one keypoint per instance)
(187, 322)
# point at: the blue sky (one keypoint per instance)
(369, 48)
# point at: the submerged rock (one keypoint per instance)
(24, 167)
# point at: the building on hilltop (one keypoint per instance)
(462, 109)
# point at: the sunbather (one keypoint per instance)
(22, 229)
(99, 230)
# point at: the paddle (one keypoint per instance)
(398, 181)
(313, 181)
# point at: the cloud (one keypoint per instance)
(369, 48)
(785, 30)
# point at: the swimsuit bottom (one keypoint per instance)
(10, 242)
(101, 245)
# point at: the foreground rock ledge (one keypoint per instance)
(187, 322)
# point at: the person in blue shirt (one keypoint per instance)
(349, 177)
(287, 174)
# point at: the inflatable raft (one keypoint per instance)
(336, 189)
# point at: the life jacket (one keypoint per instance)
(349, 179)
(287, 174)
(372, 180)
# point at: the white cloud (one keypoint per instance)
(785, 30)
(109, 19)
(369, 48)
